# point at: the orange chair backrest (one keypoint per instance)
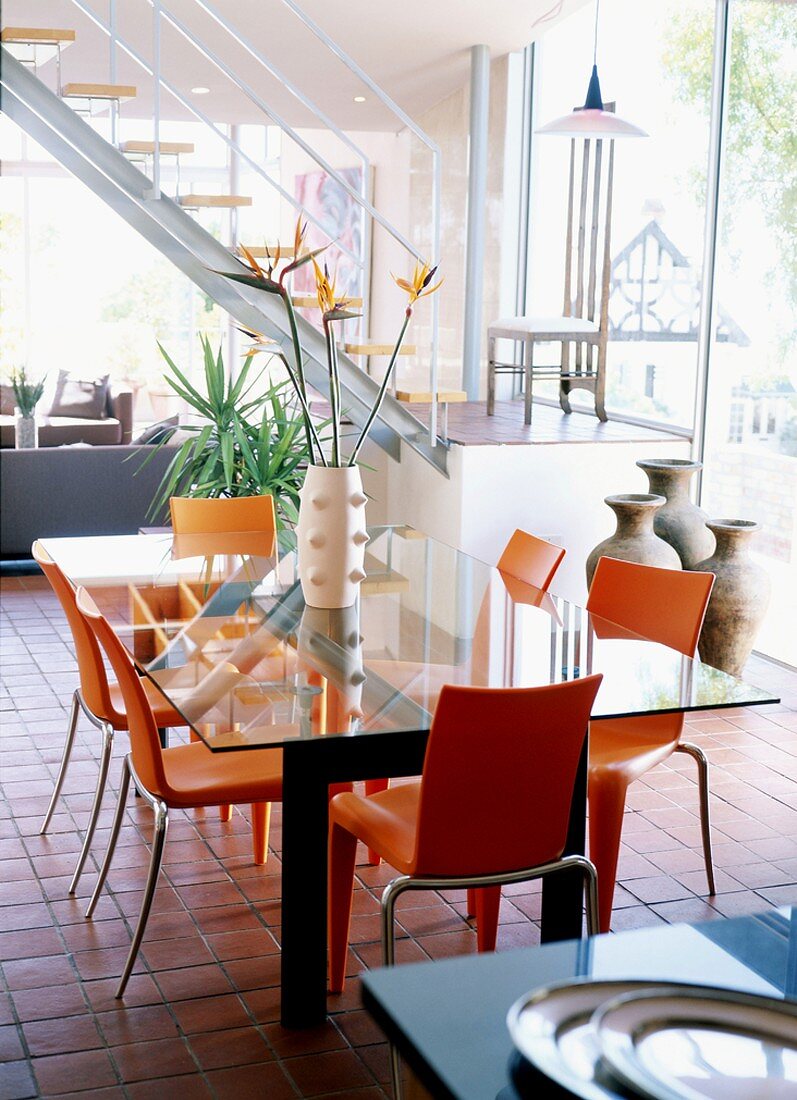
(498, 776)
(93, 679)
(530, 559)
(663, 605)
(143, 730)
(217, 515)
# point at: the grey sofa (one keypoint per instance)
(115, 428)
(75, 491)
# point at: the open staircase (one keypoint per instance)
(166, 223)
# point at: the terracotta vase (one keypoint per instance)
(634, 539)
(739, 599)
(679, 522)
(331, 536)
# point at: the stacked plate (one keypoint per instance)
(664, 1041)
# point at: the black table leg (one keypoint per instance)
(305, 823)
(562, 894)
(164, 736)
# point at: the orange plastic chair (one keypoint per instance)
(667, 606)
(183, 777)
(100, 700)
(223, 515)
(491, 807)
(530, 559)
(226, 515)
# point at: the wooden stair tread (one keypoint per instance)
(26, 35)
(424, 397)
(98, 91)
(214, 200)
(172, 148)
(378, 349)
(260, 253)
(310, 301)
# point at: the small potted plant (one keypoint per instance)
(331, 529)
(26, 395)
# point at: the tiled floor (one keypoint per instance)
(200, 1016)
(470, 426)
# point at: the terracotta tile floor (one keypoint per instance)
(200, 1018)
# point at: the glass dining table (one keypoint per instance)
(347, 695)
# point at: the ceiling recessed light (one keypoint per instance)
(359, 99)
(200, 91)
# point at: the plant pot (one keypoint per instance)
(634, 538)
(331, 536)
(26, 431)
(739, 599)
(679, 522)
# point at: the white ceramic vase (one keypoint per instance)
(331, 536)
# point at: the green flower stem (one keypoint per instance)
(383, 388)
(308, 422)
(297, 354)
(333, 393)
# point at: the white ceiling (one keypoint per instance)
(417, 50)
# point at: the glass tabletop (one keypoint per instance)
(224, 632)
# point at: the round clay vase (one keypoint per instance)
(634, 539)
(739, 599)
(679, 522)
(331, 536)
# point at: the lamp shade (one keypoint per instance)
(592, 120)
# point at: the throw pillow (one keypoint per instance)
(156, 433)
(84, 400)
(7, 400)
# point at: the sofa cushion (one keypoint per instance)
(7, 400)
(156, 433)
(76, 398)
(56, 431)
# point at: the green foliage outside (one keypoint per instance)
(761, 143)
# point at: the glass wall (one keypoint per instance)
(659, 193)
(748, 435)
(751, 411)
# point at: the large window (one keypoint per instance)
(659, 193)
(657, 61)
(751, 411)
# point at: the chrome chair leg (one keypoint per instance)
(99, 791)
(65, 758)
(124, 787)
(700, 759)
(156, 860)
(397, 886)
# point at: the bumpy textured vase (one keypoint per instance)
(679, 522)
(331, 536)
(342, 663)
(739, 599)
(26, 431)
(634, 538)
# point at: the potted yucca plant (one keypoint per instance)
(331, 529)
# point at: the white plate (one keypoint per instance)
(700, 1043)
(552, 1028)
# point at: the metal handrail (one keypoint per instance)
(192, 109)
(434, 148)
(363, 200)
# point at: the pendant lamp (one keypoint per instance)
(592, 120)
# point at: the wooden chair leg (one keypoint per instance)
(606, 807)
(488, 902)
(225, 813)
(528, 367)
(491, 376)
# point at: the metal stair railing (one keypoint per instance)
(169, 228)
(369, 214)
